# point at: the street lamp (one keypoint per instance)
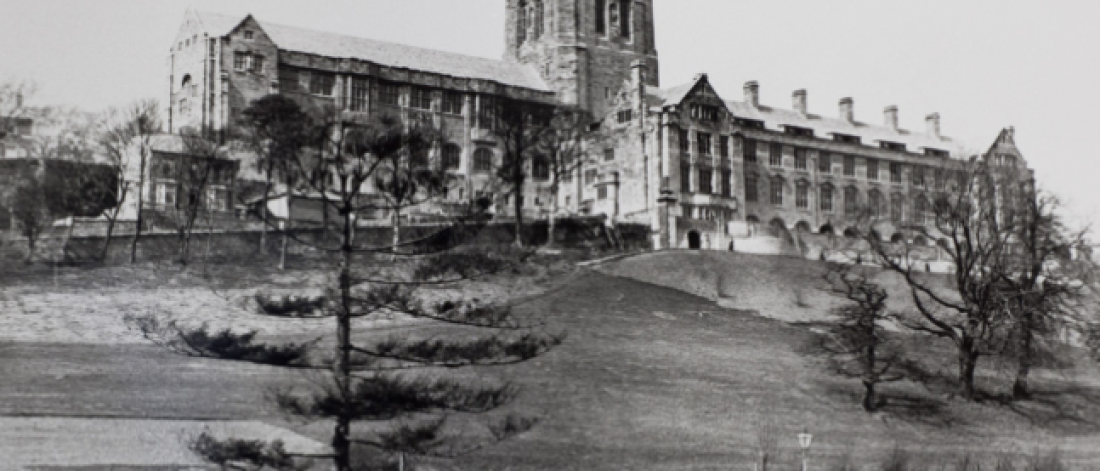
(804, 440)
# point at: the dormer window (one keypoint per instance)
(749, 123)
(847, 139)
(248, 34)
(896, 146)
(704, 112)
(797, 131)
(935, 152)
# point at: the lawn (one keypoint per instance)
(649, 377)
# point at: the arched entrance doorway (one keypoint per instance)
(695, 241)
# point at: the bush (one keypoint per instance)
(290, 306)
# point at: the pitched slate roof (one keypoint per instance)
(824, 127)
(391, 54)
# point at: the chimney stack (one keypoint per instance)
(752, 94)
(890, 115)
(932, 125)
(846, 111)
(799, 98)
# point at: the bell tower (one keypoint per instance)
(583, 49)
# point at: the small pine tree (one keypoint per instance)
(410, 386)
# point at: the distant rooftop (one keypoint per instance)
(776, 119)
(390, 54)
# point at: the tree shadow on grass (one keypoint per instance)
(1060, 407)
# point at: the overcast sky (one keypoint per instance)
(982, 64)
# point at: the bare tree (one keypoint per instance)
(203, 164)
(127, 138)
(406, 382)
(968, 311)
(856, 345)
(521, 127)
(1043, 282)
(563, 144)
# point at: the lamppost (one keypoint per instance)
(804, 440)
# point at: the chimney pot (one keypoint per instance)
(799, 98)
(752, 93)
(890, 115)
(932, 125)
(846, 110)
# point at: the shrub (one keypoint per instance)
(290, 306)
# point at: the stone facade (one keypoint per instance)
(704, 170)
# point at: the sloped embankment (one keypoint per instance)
(785, 288)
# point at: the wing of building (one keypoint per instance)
(704, 169)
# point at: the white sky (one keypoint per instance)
(982, 64)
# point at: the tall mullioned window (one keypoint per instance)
(800, 159)
(851, 201)
(685, 141)
(388, 94)
(872, 169)
(824, 163)
(452, 156)
(322, 84)
(748, 150)
(624, 18)
(895, 172)
(601, 16)
(703, 143)
(849, 166)
(775, 155)
(359, 90)
(420, 98)
(802, 195)
(452, 102)
(724, 146)
(776, 191)
(827, 199)
(685, 178)
(706, 179)
(752, 188)
(726, 183)
(483, 160)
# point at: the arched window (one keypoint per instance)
(896, 208)
(483, 160)
(521, 22)
(802, 194)
(452, 156)
(877, 203)
(851, 201)
(752, 188)
(827, 198)
(776, 190)
(922, 210)
(540, 168)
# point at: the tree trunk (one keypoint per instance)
(107, 239)
(968, 363)
(517, 206)
(396, 232)
(286, 230)
(551, 221)
(341, 443)
(263, 212)
(1020, 388)
(870, 401)
(140, 208)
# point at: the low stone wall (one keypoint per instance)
(585, 234)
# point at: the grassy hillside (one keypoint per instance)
(654, 378)
(784, 288)
(650, 378)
